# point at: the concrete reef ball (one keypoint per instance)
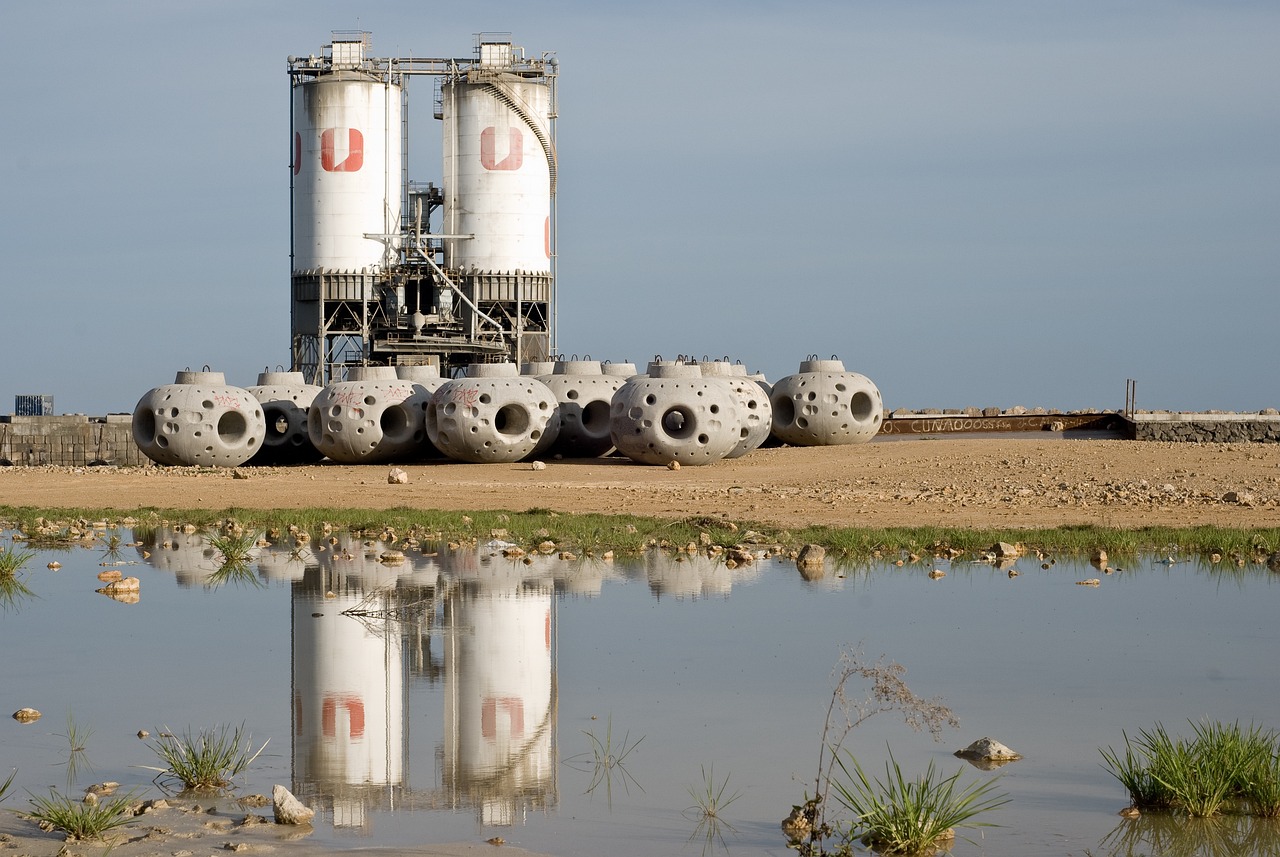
(426, 379)
(674, 414)
(285, 398)
(373, 416)
(583, 395)
(753, 405)
(825, 405)
(492, 415)
(198, 419)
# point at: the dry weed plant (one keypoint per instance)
(885, 691)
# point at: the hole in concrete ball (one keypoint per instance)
(571, 395)
(144, 427)
(511, 420)
(395, 423)
(784, 411)
(595, 415)
(232, 427)
(678, 422)
(861, 406)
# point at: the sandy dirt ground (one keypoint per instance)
(1005, 482)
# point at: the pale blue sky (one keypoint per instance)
(992, 203)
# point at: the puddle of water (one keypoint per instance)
(464, 695)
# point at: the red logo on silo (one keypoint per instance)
(330, 152)
(488, 149)
(511, 706)
(352, 704)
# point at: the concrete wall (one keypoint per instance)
(70, 441)
(1206, 428)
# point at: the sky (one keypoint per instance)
(971, 203)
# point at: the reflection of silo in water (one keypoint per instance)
(348, 698)
(499, 751)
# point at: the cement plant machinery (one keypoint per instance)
(388, 271)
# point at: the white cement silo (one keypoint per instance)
(499, 168)
(346, 170)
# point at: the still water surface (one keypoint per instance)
(463, 695)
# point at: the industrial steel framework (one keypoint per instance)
(413, 310)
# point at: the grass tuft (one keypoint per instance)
(608, 761)
(207, 761)
(709, 801)
(78, 819)
(12, 561)
(236, 546)
(1224, 767)
(910, 816)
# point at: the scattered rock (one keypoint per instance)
(1098, 557)
(391, 558)
(397, 476)
(288, 809)
(673, 465)
(1093, 581)
(110, 576)
(811, 555)
(1004, 550)
(143, 734)
(538, 465)
(988, 750)
(937, 573)
(26, 715)
(496, 841)
(798, 823)
(55, 565)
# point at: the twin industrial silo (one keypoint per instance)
(391, 271)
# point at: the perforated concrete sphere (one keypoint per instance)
(426, 380)
(755, 414)
(583, 396)
(285, 398)
(492, 415)
(824, 405)
(753, 404)
(372, 417)
(677, 415)
(199, 419)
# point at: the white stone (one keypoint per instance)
(288, 809)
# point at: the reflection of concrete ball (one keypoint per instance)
(198, 420)
(378, 418)
(824, 405)
(492, 415)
